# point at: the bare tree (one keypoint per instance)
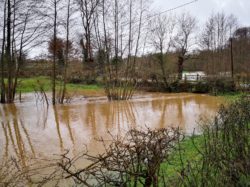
(183, 41)
(162, 39)
(8, 52)
(122, 36)
(214, 39)
(87, 9)
(19, 35)
(241, 41)
(55, 3)
(2, 54)
(68, 50)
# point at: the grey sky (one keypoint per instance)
(202, 9)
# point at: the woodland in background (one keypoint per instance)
(121, 44)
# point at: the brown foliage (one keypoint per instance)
(60, 48)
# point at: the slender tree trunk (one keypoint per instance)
(138, 37)
(13, 54)
(8, 53)
(19, 59)
(163, 67)
(116, 40)
(180, 67)
(232, 58)
(106, 41)
(129, 39)
(67, 54)
(148, 181)
(54, 55)
(2, 58)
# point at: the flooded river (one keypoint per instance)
(32, 130)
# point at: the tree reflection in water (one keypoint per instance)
(17, 136)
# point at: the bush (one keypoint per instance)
(132, 160)
(221, 85)
(201, 87)
(178, 86)
(225, 150)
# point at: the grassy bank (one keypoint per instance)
(26, 85)
(189, 153)
(232, 96)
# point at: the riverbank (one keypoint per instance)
(27, 85)
(30, 84)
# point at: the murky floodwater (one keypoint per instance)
(31, 130)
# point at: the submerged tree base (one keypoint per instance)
(120, 90)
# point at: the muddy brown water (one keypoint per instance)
(31, 130)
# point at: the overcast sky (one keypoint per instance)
(202, 9)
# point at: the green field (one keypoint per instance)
(26, 85)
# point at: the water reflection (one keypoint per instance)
(18, 143)
(30, 130)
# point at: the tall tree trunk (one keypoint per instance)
(106, 47)
(232, 58)
(8, 53)
(54, 55)
(180, 67)
(116, 40)
(162, 64)
(148, 181)
(138, 38)
(129, 40)
(20, 58)
(2, 58)
(67, 54)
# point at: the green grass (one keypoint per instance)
(83, 87)
(189, 153)
(26, 85)
(232, 96)
(171, 169)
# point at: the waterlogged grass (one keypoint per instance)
(26, 85)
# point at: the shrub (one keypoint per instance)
(221, 85)
(132, 160)
(225, 150)
(201, 87)
(178, 86)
